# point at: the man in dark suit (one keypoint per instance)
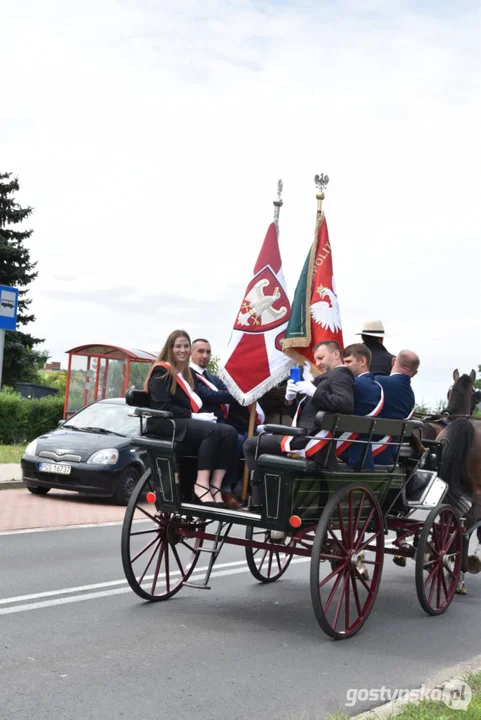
(372, 335)
(333, 391)
(368, 402)
(217, 399)
(399, 398)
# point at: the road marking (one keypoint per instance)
(115, 591)
(25, 531)
(110, 583)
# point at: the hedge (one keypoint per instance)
(22, 420)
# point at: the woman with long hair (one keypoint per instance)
(170, 386)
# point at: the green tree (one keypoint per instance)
(21, 360)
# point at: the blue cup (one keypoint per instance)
(296, 374)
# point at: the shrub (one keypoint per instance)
(22, 420)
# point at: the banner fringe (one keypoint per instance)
(252, 396)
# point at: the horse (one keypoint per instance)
(461, 458)
(462, 399)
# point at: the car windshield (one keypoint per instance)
(106, 417)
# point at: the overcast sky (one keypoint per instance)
(149, 137)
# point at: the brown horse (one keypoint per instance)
(462, 399)
(461, 437)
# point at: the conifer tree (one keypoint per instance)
(21, 361)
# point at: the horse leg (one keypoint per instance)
(461, 588)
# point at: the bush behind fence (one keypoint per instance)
(22, 420)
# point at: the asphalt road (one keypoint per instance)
(76, 643)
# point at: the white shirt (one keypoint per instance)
(197, 368)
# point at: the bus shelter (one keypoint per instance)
(96, 372)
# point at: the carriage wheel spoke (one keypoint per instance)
(331, 574)
(366, 523)
(367, 542)
(167, 574)
(342, 529)
(339, 604)
(450, 542)
(177, 560)
(358, 518)
(147, 514)
(159, 540)
(144, 549)
(157, 567)
(356, 594)
(336, 539)
(332, 593)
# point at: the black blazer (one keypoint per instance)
(334, 393)
(381, 362)
(161, 398)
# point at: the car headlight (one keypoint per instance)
(109, 456)
(31, 448)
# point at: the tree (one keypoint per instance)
(21, 361)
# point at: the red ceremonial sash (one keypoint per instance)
(224, 408)
(346, 438)
(383, 443)
(320, 439)
(194, 399)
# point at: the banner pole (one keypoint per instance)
(250, 433)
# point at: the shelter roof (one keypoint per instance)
(113, 352)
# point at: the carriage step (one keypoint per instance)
(197, 587)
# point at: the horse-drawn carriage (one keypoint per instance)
(339, 519)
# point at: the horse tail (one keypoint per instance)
(458, 441)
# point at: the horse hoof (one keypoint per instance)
(461, 589)
(474, 564)
(399, 560)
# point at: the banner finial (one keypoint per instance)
(278, 203)
(321, 183)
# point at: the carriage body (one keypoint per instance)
(338, 518)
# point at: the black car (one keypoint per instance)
(89, 453)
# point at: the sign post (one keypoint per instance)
(8, 317)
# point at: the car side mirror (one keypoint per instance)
(60, 423)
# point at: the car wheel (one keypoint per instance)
(128, 481)
(39, 490)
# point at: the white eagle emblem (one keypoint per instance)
(258, 306)
(326, 312)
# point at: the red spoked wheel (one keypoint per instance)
(156, 557)
(346, 561)
(265, 564)
(438, 560)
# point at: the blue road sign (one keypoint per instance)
(8, 307)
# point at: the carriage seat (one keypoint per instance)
(403, 429)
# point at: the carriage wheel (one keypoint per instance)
(266, 565)
(346, 561)
(157, 560)
(438, 560)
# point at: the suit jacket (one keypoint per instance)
(367, 395)
(162, 398)
(381, 363)
(212, 400)
(399, 402)
(334, 393)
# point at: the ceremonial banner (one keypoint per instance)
(255, 361)
(315, 312)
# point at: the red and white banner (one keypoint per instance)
(315, 314)
(255, 361)
(345, 440)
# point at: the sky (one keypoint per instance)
(149, 136)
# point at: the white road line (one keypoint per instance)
(110, 583)
(27, 531)
(116, 591)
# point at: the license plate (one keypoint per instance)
(58, 468)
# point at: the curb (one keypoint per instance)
(396, 707)
(10, 484)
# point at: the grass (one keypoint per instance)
(11, 453)
(429, 710)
